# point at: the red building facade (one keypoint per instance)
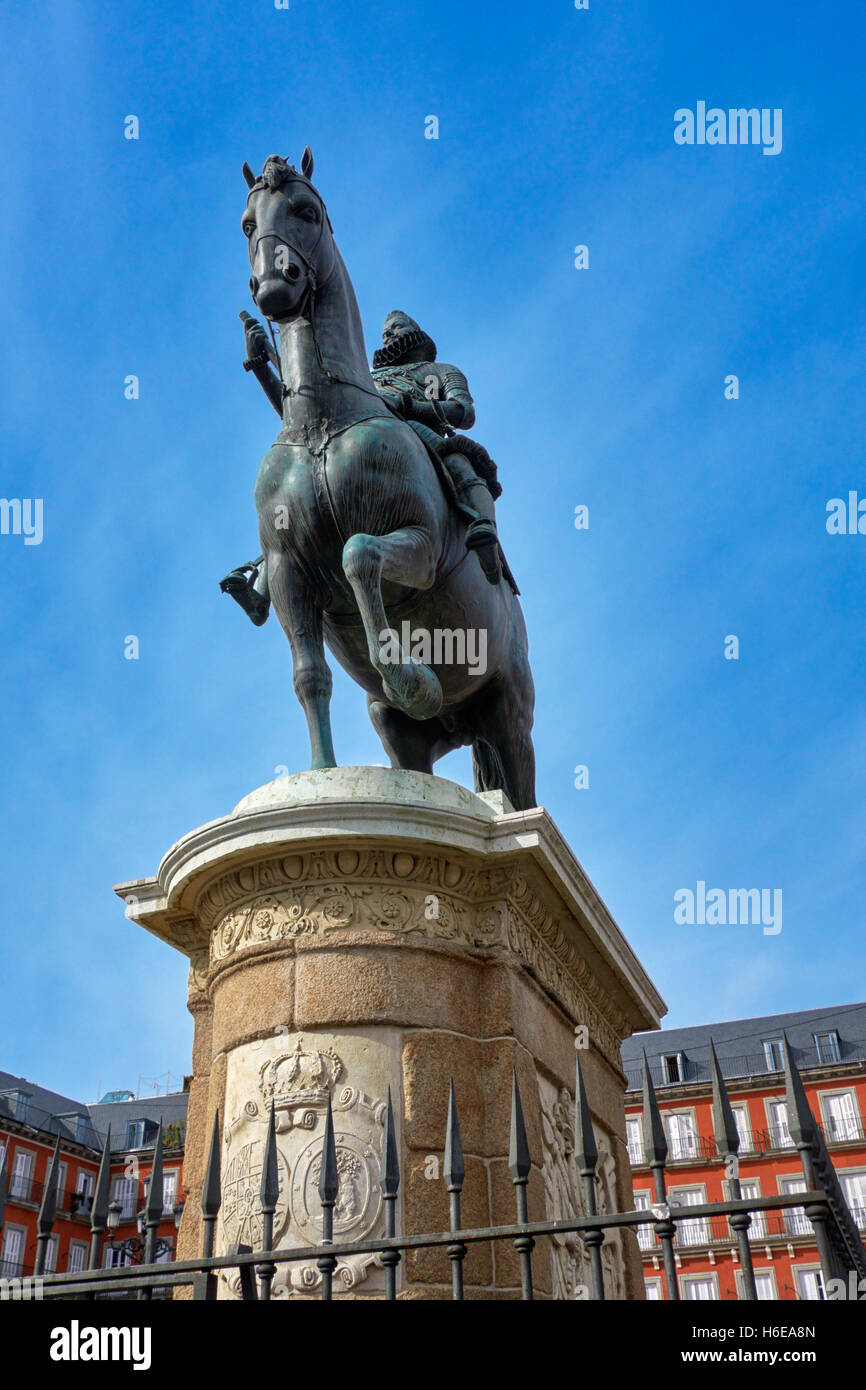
(829, 1048)
(31, 1119)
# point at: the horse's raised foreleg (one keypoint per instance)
(301, 619)
(402, 557)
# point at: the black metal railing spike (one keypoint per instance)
(329, 1188)
(99, 1210)
(519, 1166)
(840, 1243)
(454, 1171)
(586, 1158)
(727, 1138)
(389, 1181)
(211, 1192)
(205, 1286)
(4, 1184)
(47, 1212)
(269, 1193)
(655, 1154)
(153, 1207)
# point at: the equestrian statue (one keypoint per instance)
(376, 517)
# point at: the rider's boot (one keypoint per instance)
(248, 586)
(478, 506)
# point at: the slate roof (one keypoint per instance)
(44, 1109)
(739, 1043)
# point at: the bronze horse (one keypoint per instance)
(359, 538)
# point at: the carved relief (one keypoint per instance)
(432, 896)
(564, 1198)
(298, 1081)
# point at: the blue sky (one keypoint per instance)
(602, 387)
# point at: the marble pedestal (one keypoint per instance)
(360, 928)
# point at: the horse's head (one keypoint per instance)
(290, 243)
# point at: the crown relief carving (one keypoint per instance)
(300, 1077)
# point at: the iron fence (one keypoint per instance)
(821, 1208)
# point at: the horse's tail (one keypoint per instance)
(487, 767)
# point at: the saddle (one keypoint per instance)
(439, 449)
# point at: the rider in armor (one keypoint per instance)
(433, 398)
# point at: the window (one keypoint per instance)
(672, 1070)
(765, 1285)
(11, 1252)
(653, 1290)
(82, 1200)
(634, 1140)
(780, 1135)
(125, 1191)
(695, 1232)
(18, 1102)
(136, 1134)
(810, 1284)
(827, 1046)
(841, 1118)
(76, 1260)
(854, 1187)
(61, 1183)
(682, 1139)
(700, 1289)
(169, 1191)
(797, 1222)
(751, 1187)
(645, 1234)
(773, 1054)
(744, 1130)
(22, 1174)
(51, 1255)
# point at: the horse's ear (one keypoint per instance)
(307, 162)
(248, 174)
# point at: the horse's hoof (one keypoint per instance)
(415, 689)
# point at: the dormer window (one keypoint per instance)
(18, 1102)
(773, 1054)
(827, 1047)
(672, 1068)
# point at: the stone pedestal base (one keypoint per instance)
(363, 928)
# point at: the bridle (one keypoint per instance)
(308, 303)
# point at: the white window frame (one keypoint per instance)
(656, 1285)
(853, 1123)
(80, 1249)
(766, 1273)
(776, 1129)
(758, 1228)
(51, 1254)
(129, 1187)
(25, 1194)
(677, 1152)
(810, 1269)
(834, 1047)
(858, 1209)
(643, 1200)
(680, 1077)
(795, 1219)
(772, 1049)
(171, 1183)
(635, 1151)
(745, 1131)
(10, 1229)
(688, 1281)
(696, 1232)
